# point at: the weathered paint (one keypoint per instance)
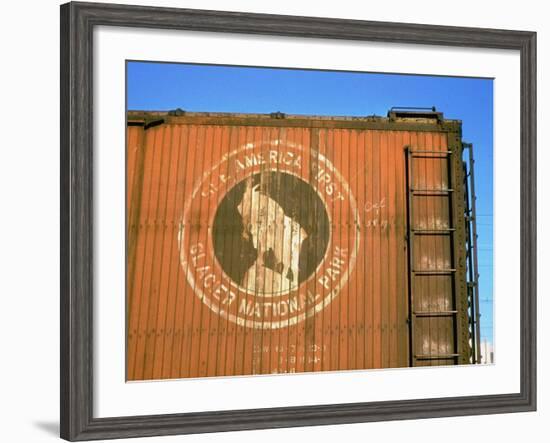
(193, 309)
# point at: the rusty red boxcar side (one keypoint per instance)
(273, 244)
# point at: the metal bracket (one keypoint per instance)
(178, 112)
(152, 123)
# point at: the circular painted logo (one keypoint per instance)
(269, 235)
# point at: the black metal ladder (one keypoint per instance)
(471, 254)
(414, 273)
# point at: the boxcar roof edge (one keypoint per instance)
(278, 119)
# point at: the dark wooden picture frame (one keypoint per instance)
(77, 23)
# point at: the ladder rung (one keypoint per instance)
(432, 231)
(435, 313)
(435, 356)
(430, 154)
(429, 151)
(431, 191)
(433, 271)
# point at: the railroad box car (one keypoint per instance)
(262, 244)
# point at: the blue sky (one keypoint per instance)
(208, 88)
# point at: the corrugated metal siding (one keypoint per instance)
(173, 333)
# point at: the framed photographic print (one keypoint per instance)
(273, 221)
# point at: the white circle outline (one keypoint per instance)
(290, 321)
